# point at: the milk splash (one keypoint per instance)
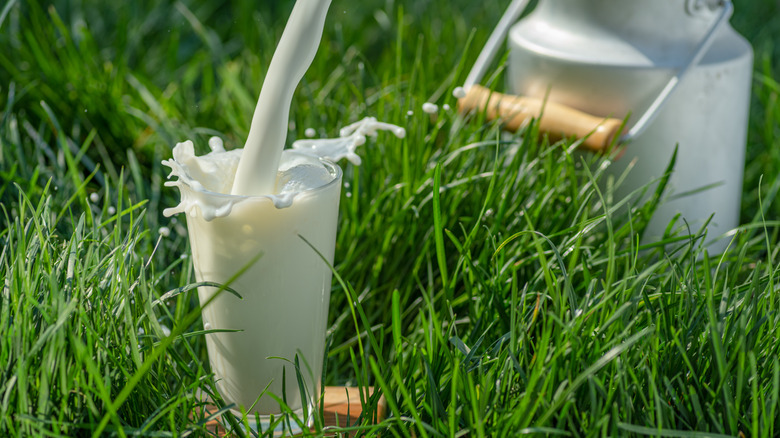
(351, 136)
(205, 181)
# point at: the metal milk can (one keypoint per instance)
(681, 72)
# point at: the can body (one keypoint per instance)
(612, 58)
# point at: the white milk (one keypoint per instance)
(285, 293)
(293, 55)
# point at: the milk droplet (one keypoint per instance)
(94, 197)
(310, 132)
(459, 93)
(216, 144)
(430, 108)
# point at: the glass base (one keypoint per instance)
(281, 424)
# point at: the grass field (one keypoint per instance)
(487, 286)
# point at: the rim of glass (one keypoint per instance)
(333, 168)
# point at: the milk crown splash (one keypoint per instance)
(205, 181)
(256, 171)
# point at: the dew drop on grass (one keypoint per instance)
(410, 113)
(446, 107)
(94, 197)
(111, 210)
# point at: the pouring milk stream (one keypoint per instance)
(256, 172)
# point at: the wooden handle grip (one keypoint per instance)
(558, 120)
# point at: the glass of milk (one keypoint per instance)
(286, 292)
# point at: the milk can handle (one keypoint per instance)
(727, 9)
(494, 42)
(517, 107)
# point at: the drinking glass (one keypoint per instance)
(285, 293)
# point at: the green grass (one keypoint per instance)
(497, 291)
